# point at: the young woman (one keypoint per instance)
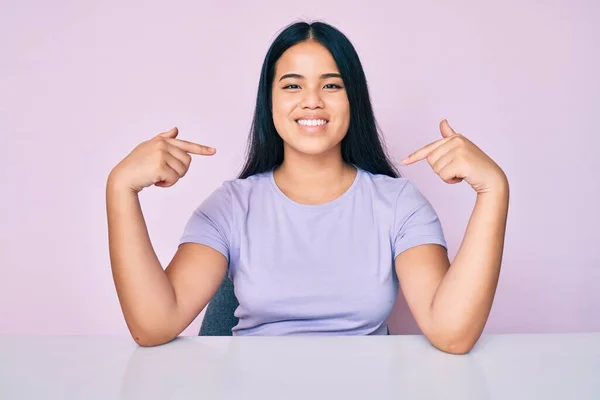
(319, 230)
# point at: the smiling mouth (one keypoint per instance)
(312, 122)
(312, 126)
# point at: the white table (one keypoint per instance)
(559, 366)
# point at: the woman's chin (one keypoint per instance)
(312, 149)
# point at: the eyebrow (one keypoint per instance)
(324, 76)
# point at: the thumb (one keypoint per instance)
(445, 129)
(170, 134)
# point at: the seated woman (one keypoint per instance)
(318, 231)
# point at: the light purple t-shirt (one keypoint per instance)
(324, 269)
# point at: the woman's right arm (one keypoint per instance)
(157, 304)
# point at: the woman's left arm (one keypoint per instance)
(451, 302)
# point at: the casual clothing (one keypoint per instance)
(324, 269)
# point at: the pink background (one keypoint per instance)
(81, 85)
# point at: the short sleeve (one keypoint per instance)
(210, 223)
(416, 222)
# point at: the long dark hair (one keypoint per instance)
(362, 146)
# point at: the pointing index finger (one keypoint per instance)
(191, 147)
(423, 152)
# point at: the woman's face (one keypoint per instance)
(311, 111)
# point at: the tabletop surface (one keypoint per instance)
(516, 366)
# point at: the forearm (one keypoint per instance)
(146, 296)
(464, 298)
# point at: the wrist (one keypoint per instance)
(496, 196)
(116, 185)
(498, 186)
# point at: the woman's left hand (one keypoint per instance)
(455, 158)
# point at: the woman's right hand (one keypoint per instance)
(160, 161)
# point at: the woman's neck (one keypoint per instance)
(314, 179)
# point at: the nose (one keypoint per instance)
(312, 99)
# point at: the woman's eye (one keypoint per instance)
(328, 86)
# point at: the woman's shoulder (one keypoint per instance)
(395, 189)
(241, 187)
(231, 193)
(384, 183)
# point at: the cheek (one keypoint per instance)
(281, 115)
(282, 108)
(342, 108)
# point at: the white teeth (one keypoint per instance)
(312, 122)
